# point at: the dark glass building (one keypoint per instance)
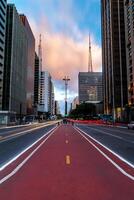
(15, 65)
(114, 57)
(36, 82)
(90, 87)
(129, 22)
(3, 6)
(30, 66)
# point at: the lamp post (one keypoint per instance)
(66, 79)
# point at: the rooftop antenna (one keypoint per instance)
(40, 53)
(90, 67)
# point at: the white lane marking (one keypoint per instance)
(109, 159)
(16, 157)
(101, 131)
(23, 132)
(106, 133)
(25, 160)
(122, 132)
(110, 150)
(24, 125)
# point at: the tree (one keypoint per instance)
(84, 110)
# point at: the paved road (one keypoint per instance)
(7, 131)
(68, 167)
(119, 140)
(13, 146)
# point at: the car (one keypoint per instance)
(131, 125)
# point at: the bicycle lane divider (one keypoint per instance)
(12, 167)
(116, 160)
(47, 176)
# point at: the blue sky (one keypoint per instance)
(85, 13)
(65, 27)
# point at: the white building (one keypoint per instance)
(45, 92)
(75, 103)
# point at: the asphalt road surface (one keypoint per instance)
(120, 140)
(17, 142)
(69, 165)
(8, 131)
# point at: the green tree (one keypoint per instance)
(84, 110)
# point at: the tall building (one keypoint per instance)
(36, 82)
(57, 108)
(3, 6)
(15, 66)
(90, 87)
(52, 98)
(45, 93)
(129, 22)
(30, 66)
(114, 57)
(75, 103)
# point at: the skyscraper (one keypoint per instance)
(114, 57)
(129, 22)
(3, 6)
(30, 66)
(15, 65)
(36, 82)
(90, 87)
(52, 98)
(45, 93)
(57, 108)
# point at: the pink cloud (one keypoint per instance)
(63, 55)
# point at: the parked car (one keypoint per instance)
(131, 125)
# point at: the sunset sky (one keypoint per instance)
(65, 26)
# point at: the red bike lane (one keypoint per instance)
(67, 167)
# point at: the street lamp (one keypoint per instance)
(66, 79)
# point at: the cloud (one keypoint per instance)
(63, 55)
(64, 44)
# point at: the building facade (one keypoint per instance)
(90, 87)
(15, 65)
(52, 98)
(36, 82)
(3, 7)
(129, 22)
(114, 57)
(57, 108)
(30, 66)
(75, 103)
(45, 92)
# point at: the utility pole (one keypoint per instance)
(66, 79)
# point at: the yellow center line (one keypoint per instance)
(67, 141)
(68, 160)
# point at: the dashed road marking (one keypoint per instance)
(68, 160)
(67, 141)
